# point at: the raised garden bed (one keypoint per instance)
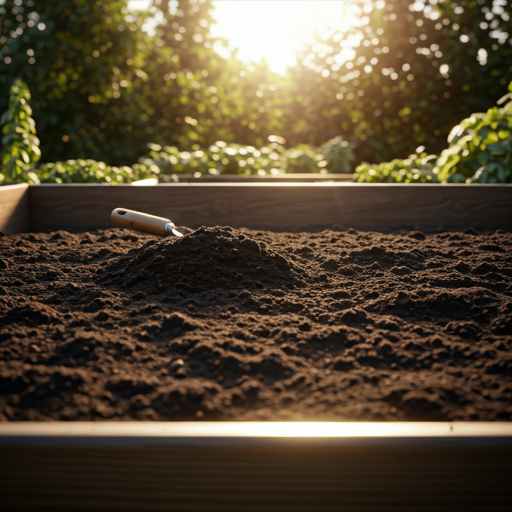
(357, 305)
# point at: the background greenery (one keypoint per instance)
(480, 151)
(103, 89)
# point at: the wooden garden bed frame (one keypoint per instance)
(237, 466)
(230, 466)
(261, 205)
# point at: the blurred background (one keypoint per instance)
(379, 78)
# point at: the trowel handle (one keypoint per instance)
(139, 221)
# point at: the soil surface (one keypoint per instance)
(227, 324)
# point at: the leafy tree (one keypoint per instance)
(78, 58)
(103, 87)
(21, 146)
(199, 97)
(179, 72)
(417, 68)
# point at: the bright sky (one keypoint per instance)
(273, 29)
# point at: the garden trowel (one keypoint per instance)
(147, 223)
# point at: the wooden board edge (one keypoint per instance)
(325, 183)
(279, 205)
(239, 178)
(14, 209)
(232, 473)
(132, 433)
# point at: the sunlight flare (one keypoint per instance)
(276, 30)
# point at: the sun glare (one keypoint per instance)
(275, 30)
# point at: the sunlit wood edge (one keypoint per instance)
(341, 184)
(173, 432)
(14, 187)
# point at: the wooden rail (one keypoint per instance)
(225, 466)
(278, 205)
(261, 205)
(269, 178)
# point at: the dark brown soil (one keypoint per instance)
(225, 324)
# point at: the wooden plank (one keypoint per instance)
(285, 480)
(270, 178)
(233, 466)
(278, 205)
(216, 432)
(14, 209)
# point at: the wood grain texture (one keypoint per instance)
(251, 466)
(278, 205)
(14, 209)
(297, 477)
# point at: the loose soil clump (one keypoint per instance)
(227, 324)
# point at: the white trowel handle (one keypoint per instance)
(142, 222)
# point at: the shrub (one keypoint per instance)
(480, 148)
(480, 151)
(223, 158)
(417, 168)
(219, 158)
(91, 171)
(21, 152)
(21, 146)
(337, 156)
(302, 158)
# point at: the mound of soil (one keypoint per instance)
(207, 259)
(227, 324)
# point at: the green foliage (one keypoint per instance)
(104, 88)
(416, 69)
(302, 158)
(91, 171)
(21, 146)
(418, 168)
(480, 148)
(219, 158)
(224, 158)
(80, 60)
(337, 155)
(480, 151)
